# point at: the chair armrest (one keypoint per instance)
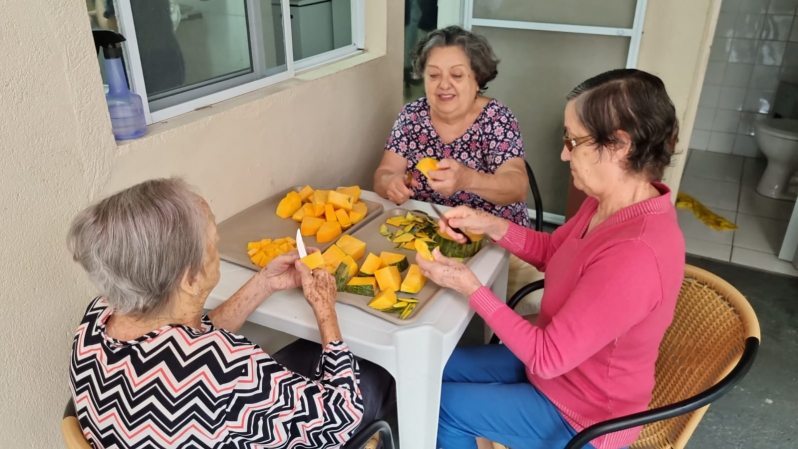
(676, 409)
(516, 298)
(363, 436)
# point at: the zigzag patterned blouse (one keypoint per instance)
(177, 387)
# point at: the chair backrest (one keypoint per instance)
(703, 344)
(533, 186)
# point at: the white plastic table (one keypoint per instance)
(414, 354)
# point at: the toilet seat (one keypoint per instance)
(781, 128)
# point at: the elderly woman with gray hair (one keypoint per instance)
(475, 138)
(150, 369)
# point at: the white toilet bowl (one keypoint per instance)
(778, 139)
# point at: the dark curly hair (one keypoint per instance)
(636, 102)
(480, 54)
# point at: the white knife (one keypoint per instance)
(300, 244)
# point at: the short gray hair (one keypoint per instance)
(137, 244)
(480, 54)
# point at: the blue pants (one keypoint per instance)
(486, 394)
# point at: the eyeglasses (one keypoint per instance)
(573, 142)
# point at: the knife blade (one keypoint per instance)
(443, 219)
(300, 244)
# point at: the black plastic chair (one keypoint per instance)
(533, 185)
(699, 291)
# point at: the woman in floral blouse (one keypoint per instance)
(475, 138)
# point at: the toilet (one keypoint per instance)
(777, 137)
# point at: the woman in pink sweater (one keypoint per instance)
(613, 273)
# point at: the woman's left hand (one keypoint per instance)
(449, 273)
(281, 274)
(450, 177)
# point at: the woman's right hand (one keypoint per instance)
(474, 222)
(397, 189)
(319, 287)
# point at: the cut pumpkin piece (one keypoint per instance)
(343, 218)
(352, 246)
(333, 255)
(370, 266)
(427, 164)
(353, 191)
(319, 197)
(328, 232)
(299, 215)
(344, 272)
(452, 248)
(310, 211)
(252, 252)
(255, 245)
(408, 310)
(395, 221)
(313, 260)
(306, 193)
(394, 260)
(350, 264)
(414, 280)
(366, 286)
(289, 205)
(423, 250)
(384, 301)
(389, 278)
(404, 238)
(361, 208)
(329, 213)
(340, 200)
(384, 231)
(355, 217)
(411, 245)
(310, 225)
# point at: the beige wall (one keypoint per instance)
(58, 154)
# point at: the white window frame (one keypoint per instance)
(259, 73)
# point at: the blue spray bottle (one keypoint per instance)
(125, 107)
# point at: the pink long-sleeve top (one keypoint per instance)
(610, 294)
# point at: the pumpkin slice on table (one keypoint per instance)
(395, 221)
(347, 268)
(306, 193)
(414, 280)
(313, 260)
(427, 164)
(343, 218)
(393, 259)
(311, 225)
(353, 191)
(319, 200)
(370, 266)
(328, 232)
(333, 255)
(366, 286)
(310, 211)
(408, 310)
(452, 248)
(340, 200)
(389, 278)
(361, 208)
(329, 213)
(404, 238)
(355, 217)
(299, 215)
(352, 246)
(384, 301)
(289, 205)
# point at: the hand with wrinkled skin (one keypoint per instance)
(450, 177)
(473, 221)
(398, 189)
(449, 273)
(281, 273)
(321, 293)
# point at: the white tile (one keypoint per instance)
(730, 5)
(776, 27)
(704, 248)
(693, 227)
(752, 171)
(745, 146)
(789, 74)
(790, 55)
(709, 97)
(782, 7)
(738, 75)
(732, 98)
(762, 261)
(699, 140)
(720, 167)
(726, 23)
(715, 72)
(726, 121)
(743, 51)
(759, 233)
(793, 34)
(764, 77)
(720, 142)
(748, 26)
(758, 100)
(720, 50)
(754, 6)
(711, 193)
(771, 53)
(747, 123)
(704, 118)
(752, 203)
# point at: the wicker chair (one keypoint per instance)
(709, 347)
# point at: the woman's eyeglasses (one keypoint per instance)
(573, 142)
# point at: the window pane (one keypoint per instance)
(421, 17)
(195, 47)
(318, 26)
(608, 13)
(537, 70)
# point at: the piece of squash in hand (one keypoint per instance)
(393, 259)
(343, 218)
(340, 200)
(427, 164)
(370, 266)
(366, 286)
(452, 248)
(414, 280)
(329, 213)
(328, 232)
(313, 260)
(310, 225)
(389, 278)
(423, 250)
(352, 246)
(384, 301)
(333, 255)
(353, 191)
(289, 205)
(306, 193)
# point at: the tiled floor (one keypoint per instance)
(727, 185)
